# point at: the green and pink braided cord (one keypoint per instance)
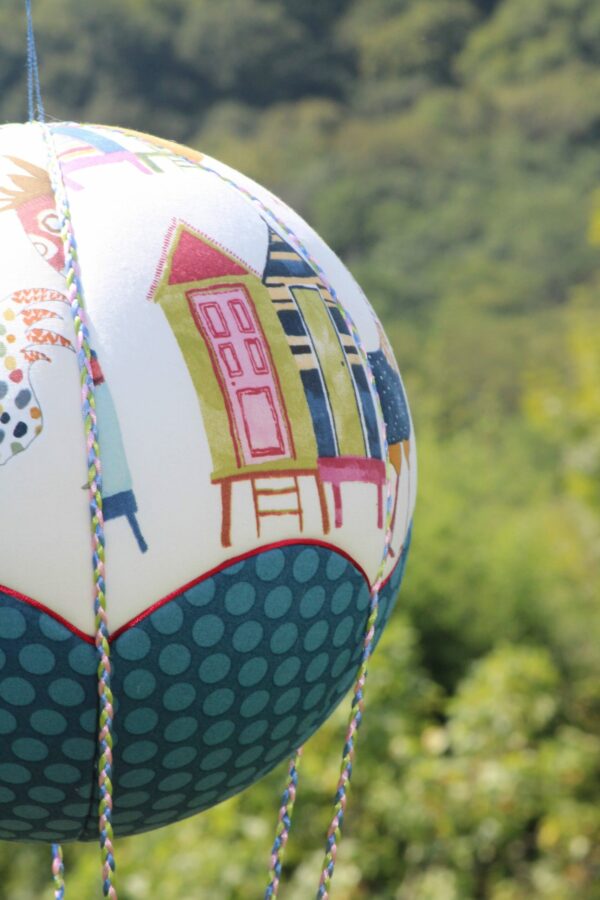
(88, 403)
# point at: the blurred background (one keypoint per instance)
(449, 151)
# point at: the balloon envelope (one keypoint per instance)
(245, 396)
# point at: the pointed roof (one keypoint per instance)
(196, 260)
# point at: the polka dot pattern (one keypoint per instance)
(212, 690)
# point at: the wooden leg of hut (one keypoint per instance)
(226, 513)
(323, 504)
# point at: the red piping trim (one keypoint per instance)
(190, 584)
(53, 615)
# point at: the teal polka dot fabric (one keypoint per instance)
(212, 690)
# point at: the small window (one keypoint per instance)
(230, 360)
(257, 357)
(243, 320)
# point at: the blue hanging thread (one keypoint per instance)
(34, 92)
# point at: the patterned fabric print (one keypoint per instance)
(212, 690)
(47, 725)
(23, 316)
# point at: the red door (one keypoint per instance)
(227, 321)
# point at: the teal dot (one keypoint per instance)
(284, 638)
(8, 723)
(2, 659)
(32, 812)
(46, 794)
(180, 729)
(253, 732)
(66, 825)
(218, 733)
(17, 691)
(363, 597)
(30, 749)
(66, 692)
(307, 724)
(210, 781)
(169, 802)
(278, 602)
(342, 632)
(254, 704)
(316, 667)
(240, 598)
(269, 565)
(167, 619)
(133, 644)
(336, 566)
(314, 696)
(316, 635)
(215, 759)
(208, 631)
(218, 702)
(76, 810)
(160, 818)
(127, 817)
(252, 671)
(89, 721)
(340, 664)
(242, 777)
(312, 601)
(200, 802)
(141, 720)
(247, 637)
(342, 597)
(179, 696)
(6, 795)
(15, 825)
(62, 773)
(12, 623)
(306, 565)
(277, 751)
(52, 629)
(174, 782)
(139, 684)
(137, 778)
(202, 593)
(284, 727)
(286, 701)
(84, 659)
(36, 659)
(235, 569)
(80, 749)
(139, 752)
(214, 668)
(133, 798)
(345, 683)
(85, 790)
(249, 756)
(176, 759)
(287, 671)
(174, 659)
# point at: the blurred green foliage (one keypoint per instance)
(448, 149)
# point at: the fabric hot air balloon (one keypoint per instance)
(256, 472)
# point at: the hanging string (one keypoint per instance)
(84, 357)
(34, 91)
(58, 872)
(284, 823)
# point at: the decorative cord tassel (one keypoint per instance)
(58, 872)
(284, 823)
(84, 357)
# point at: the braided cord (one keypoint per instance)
(58, 872)
(358, 701)
(88, 403)
(284, 823)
